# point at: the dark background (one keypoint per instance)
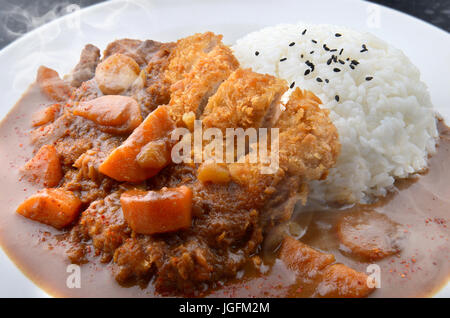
(20, 16)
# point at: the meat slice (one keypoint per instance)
(191, 94)
(141, 51)
(103, 222)
(243, 100)
(85, 69)
(156, 89)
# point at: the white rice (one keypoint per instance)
(386, 126)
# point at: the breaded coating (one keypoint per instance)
(193, 91)
(243, 100)
(187, 52)
(309, 143)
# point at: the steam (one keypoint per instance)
(58, 44)
(19, 20)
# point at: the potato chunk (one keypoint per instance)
(154, 155)
(213, 172)
(54, 206)
(339, 280)
(44, 168)
(116, 74)
(123, 165)
(112, 113)
(52, 85)
(150, 212)
(306, 261)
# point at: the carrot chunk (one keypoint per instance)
(340, 280)
(44, 168)
(112, 113)
(306, 261)
(52, 85)
(46, 115)
(150, 212)
(369, 235)
(122, 163)
(54, 206)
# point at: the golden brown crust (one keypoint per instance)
(243, 100)
(193, 91)
(309, 143)
(187, 52)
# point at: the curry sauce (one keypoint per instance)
(418, 266)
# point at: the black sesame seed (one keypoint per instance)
(369, 78)
(304, 31)
(336, 98)
(311, 65)
(283, 59)
(352, 66)
(334, 57)
(292, 44)
(338, 35)
(329, 61)
(307, 71)
(256, 53)
(355, 62)
(364, 48)
(319, 80)
(301, 56)
(292, 85)
(313, 41)
(341, 61)
(327, 80)
(312, 52)
(340, 52)
(347, 59)
(333, 50)
(336, 70)
(325, 47)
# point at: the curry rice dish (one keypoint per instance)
(90, 159)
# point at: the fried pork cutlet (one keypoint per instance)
(308, 146)
(187, 52)
(243, 100)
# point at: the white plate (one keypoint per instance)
(59, 43)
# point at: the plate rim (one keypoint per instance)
(443, 291)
